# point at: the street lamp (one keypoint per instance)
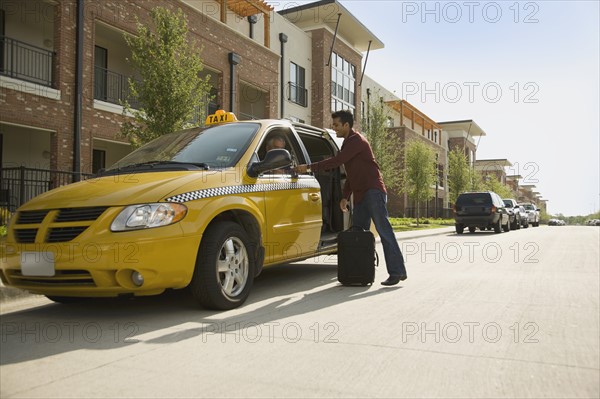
(437, 177)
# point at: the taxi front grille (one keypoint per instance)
(79, 214)
(28, 223)
(62, 278)
(25, 236)
(30, 217)
(63, 234)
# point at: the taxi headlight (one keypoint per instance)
(146, 216)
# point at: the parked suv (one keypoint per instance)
(533, 215)
(513, 213)
(480, 209)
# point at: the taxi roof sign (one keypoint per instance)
(220, 116)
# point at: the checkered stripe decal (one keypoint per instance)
(241, 189)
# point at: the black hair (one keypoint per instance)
(345, 116)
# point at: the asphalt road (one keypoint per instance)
(481, 315)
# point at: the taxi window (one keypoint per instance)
(219, 146)
(277, 137)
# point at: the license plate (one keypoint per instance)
(37, 264)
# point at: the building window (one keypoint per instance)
(98, 160)
(298, 92)
(343, 81)
(101, 74)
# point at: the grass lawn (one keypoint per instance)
(409, 224)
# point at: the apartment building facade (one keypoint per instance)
(64, 72)
(495, 168)
(408, 123)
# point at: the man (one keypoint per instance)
(274, 142)
(365, 182)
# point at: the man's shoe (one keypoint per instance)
(393, 280)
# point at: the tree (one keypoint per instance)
(385, 144)
(491, 183)
(459, 175)
(171, 90)
(475, 180)
(420, 173)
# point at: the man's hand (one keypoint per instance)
(344, 205)
(300, 168)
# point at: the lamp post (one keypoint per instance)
(437, 177)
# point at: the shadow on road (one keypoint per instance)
(279, 293)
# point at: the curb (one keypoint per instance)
(10, 293)
(425, 233)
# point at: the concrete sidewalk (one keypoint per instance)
(10, 293)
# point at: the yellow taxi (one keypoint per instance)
(204, 208)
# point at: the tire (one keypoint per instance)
(526, 224)
(459, 228)
(498, 226)
(224, 271)
(515, 224)
(506, 227)
(472, 229)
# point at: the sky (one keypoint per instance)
(527, 72)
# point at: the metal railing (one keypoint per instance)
(19, 185)
(112, 87)
(298, 94)
(24, 61)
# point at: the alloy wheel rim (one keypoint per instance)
(232, 266)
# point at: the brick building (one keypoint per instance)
(462, 134)
(60, 116)
(493, 167)
(58, 121)
(409, 123)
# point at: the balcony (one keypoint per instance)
(112, 87)
(24, 61)
(298, 94)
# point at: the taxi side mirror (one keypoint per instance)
(274, 159)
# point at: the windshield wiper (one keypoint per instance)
(148, 165)
(154, 163)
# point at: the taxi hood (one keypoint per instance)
(124, 189)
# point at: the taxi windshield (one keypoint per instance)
(217, 147)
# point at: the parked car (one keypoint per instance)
(483, 210)
(556, 222)
(203, 208)
(514, 213)
(533, 214)
(523, 216)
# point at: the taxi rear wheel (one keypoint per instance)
(224, 270)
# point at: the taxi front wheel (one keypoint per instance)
(224, 270)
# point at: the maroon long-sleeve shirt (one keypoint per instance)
(362, 171)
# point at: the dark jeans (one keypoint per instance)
(373, 206)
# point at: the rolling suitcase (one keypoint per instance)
(356, 257)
